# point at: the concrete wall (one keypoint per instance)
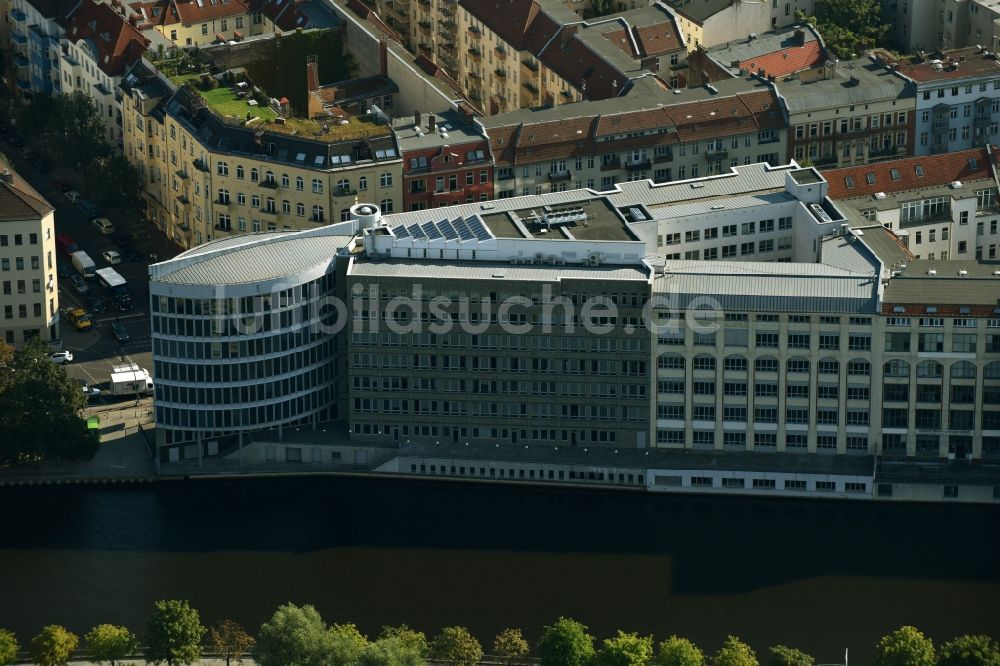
(736, 22)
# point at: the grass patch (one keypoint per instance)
(223, 100)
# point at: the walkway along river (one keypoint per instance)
(818, 575)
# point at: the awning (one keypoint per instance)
(219, 37)
(237, 34)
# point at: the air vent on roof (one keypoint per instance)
(996, 273)
(697, 186)
(962, 272)
(955, 184)
(880, 195)
(932, 272)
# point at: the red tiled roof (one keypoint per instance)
(157, 12)
(18, 200)
(286, 14)
(955, 64)
(510, 19)
(574, 61)
(937, 170)
(652, 40)
(786, 61)
(117, 42)
(195, 11)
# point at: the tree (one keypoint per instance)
(174, 634)
(39, 408)
(8, 647)
(625, 650)
(962, 651)
(849, 26)
(411, 638)
(346, 644)
(294, 635)
(109, 643)
(457, 646)
(734, 652)
(230, 640)
(906, 646)
(782, 655)
(677, 651)
(114, 183)
(53, 646)
(565, 643)
(510, 645)
(394, 650)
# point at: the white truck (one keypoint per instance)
(130, 379)
(84, 265)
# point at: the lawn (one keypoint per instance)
(224, 101)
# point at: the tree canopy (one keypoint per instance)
(395, 649)
(457, 646)
(110, 643)
(8, 647)
(734, 652)
(294, 636)
(906, 646)
(39, 408)
(677, 651)
(625, 650)
(565, 643)
(849, 26)
(411, 638)
(782, 655)
(510, 645)
(346, 644)
(230, 640)
(969, 651)
(53, 646)
(174, 634)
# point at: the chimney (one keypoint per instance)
(416, 118)
(383, 59)
(312, 73)
(431, 120)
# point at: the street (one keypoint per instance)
(95, 351)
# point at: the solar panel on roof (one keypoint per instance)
(463, 229)
(478, 228)
(416, 232)
(430, 230)
(446, 228)
(401, 232)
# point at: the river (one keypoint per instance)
(819, 575)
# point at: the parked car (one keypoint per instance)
(124, 303)
(89, 391)
(119, 331)
(112, 257)
(64, 269)
(132, 255)
(96, 304)
(72, 196)
(103, 225)
(88, 208)
(61, 357)
(79, 284)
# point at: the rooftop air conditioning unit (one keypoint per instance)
(963, 272)
(955, 184)
(932, 272)
(880, 195)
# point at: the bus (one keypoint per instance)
(113, 283)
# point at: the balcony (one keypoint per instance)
(475, 32)
(182, 174)
(530, 87)
(344, 192)
(939, 124)
(200, 165)
(532, 67)
(611, 165)
(228, 228)
(270, 212)
(424, 25)
(560, 175)
(21, 61)
(501, 52)
(664, 157)
(18, 16)
(474, 75)
(18, 37)
(423, 46)
(269, 184)
(716, 155)
(501, 73)
(637, 165)
(224, 202)
(445, 193)
(890, 151)
(24, 84)
(475, 54)
(183, 199)
(505, 175)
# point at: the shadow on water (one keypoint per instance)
(823, 574)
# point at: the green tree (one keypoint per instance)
(174, 634)
(107, 642)
(8, 647)
(677, 651)
(114, 183)
(53, 646)
(39, 408)
(962, 651)
(394, 650)
(565, 643)
(734, 652)
(457, 646)
(294, 636)
(850, 26)
(906, 646)
(510, 645)
(346, 644)
(782, 655)
(230, 640)
(625, 650)
(411, 638)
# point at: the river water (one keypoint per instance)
(820, 575)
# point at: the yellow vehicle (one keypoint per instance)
(78, 317)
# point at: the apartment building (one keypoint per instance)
(779, 53)
(208, 176)
(446, 160)
(656, 135)
(30, 297)
(941, 206)
(847, 113)
(957, 96)
(31, 36)
(200, 22)
(708, 23)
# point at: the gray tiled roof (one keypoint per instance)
(979, 287)
(874, 84)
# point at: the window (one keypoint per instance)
(222, 168)
(317, 186)
(385, 180)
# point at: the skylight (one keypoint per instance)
(894, 173)
(919, 170)
(849, 181)
(973, 164)
(870, 176)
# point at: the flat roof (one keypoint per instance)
(980, 287)
(874, 83)
(950, 65)
(490, 271)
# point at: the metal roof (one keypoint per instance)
(491, 271)
(254, 261)
(874, 84)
